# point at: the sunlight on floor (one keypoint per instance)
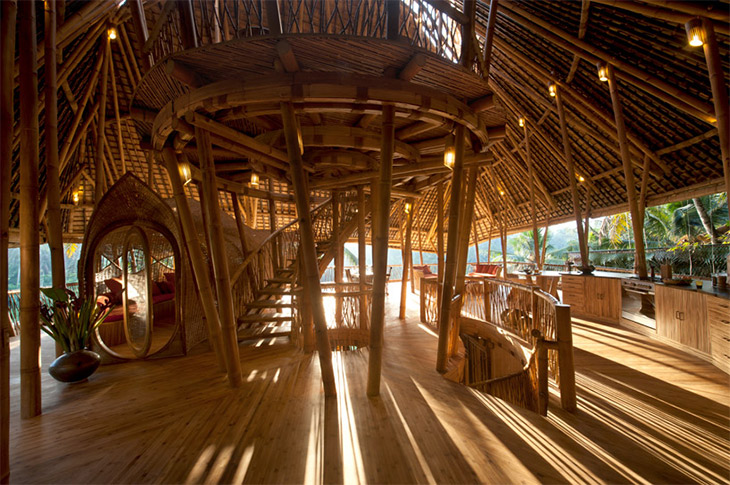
(352, 465)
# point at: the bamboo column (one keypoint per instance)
(100, 186)
(276, 250)
(489, 37)
(476, 240)
(571, 178)
(197, 259)
(339, 260)
(440, 229)
(53, 182)
(380, 232)
(240, 225)
(361, 257)
(623, 143)
(465, 223)
(533, 207)
(30, 333)
(219, 257)
(407, 261)
(310, 279)
(719, 98)
(450, 267)
(7, 61)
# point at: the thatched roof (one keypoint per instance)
(663, 83)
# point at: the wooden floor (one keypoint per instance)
(647, 413)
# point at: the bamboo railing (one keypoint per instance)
(14, 306)
(346, 328)
(418, 23)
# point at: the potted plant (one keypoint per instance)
(70, 322)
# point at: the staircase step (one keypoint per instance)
(280, 280)
(269, 304)
(284, 271)
(264, 317)
(274, 291)
(249, 336)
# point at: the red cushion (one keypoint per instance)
(163, 297)
(166, 287)
(115, 289)
(482, 268)
(170, 278)
(156, 290)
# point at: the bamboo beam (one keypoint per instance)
(53, 182)
(719, 97)
(139, 23)
(407, 261)
(100, 187)
(380, 235)
(197, 259)
(452, 247)
(636, 217)
(695, 9)
(659, 88)
(533, 206)
(30, 332)
(413, 67)
(220, 259)
(115, 98)
(489, 37)
(7, 60)
(361, 257)
(567, 149)
(310, 279)
(446, 7)
(183, 73)
(582, 27)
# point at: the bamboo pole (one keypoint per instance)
(407, 261)
(489, 37)
(310, 279)
(117, 117)
(187, 24)
(719, 98)
(220, 259)
(276, 250)
(7, 60)
(337, 247)
(139, 24)
(440, 229)
(571, 178)
(566, 363)
(465, 224)
(361, 256)
(100, 187)
(197, 259)
(30, 340)
(380, 232)
(239, 222)
(533, 206)
(450, 267)
(636, 218)
(476, 240)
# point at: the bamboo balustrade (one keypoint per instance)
(346, 332)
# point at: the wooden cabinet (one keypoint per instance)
(718, 317)
(593, 297)
(682, 317)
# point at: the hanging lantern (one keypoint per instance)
(695, 32)
(552, 89)
(254, 180)
(602, 72)
(112, 33)
(76, 196)
(408, 208)
(521, 122)
(449, 152)
(186, 174)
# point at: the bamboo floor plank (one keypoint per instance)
(647, 413)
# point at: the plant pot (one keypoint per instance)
(74, 366)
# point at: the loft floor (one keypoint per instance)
(647, 413)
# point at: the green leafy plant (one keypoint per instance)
(71, 320)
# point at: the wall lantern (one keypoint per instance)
(521, 122)
(581, 178)
(112, 33)
(552, 89)
(76, 195)
(602, 72)
(449, 152)
(254, 180)
(408, 208)
(695, 32)
(185, 173)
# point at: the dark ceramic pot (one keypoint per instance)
(74, 366)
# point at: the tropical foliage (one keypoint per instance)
(71, 321)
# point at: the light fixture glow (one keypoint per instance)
(186, 174)
(408, 208)
(254, 180)
(695, 32)
(301, 142)
(501, 192)
(552, 89)
(112, 32)
(76, 196)
(581, 178)
(521, 122)
(602, 72)
(449, 152)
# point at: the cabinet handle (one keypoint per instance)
(676, 314)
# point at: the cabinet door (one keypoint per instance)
(608, 298)
(694, 330)
(667, 323)
(574, 292)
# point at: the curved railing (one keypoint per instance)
(418, 23)
(347, 327)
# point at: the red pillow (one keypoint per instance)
(482, 268)
(115, 289)
(170, 278)
(156, 290)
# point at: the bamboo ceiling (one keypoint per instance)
(664, 86)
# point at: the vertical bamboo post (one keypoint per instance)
(53, 182)
(476, 240)
(380, 231)
(463, 242)
(30, 333)
(239, 222)
(392, 20)
(219, 257)
(489, 40)
(566, 365)
(100, 186)
(440, 240)
(407, 261)
(197, 259)
(310, 278)
(567, 149)
(542, 372)
(489, 245)
(467, 33)
(187, 24)
(338, 258)
(276, 250)
(719, 97)
(623, 143)
(533, 206)
(273, 17)
(450, 267)
(7, 62)
(361, 257)
(503, 242)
